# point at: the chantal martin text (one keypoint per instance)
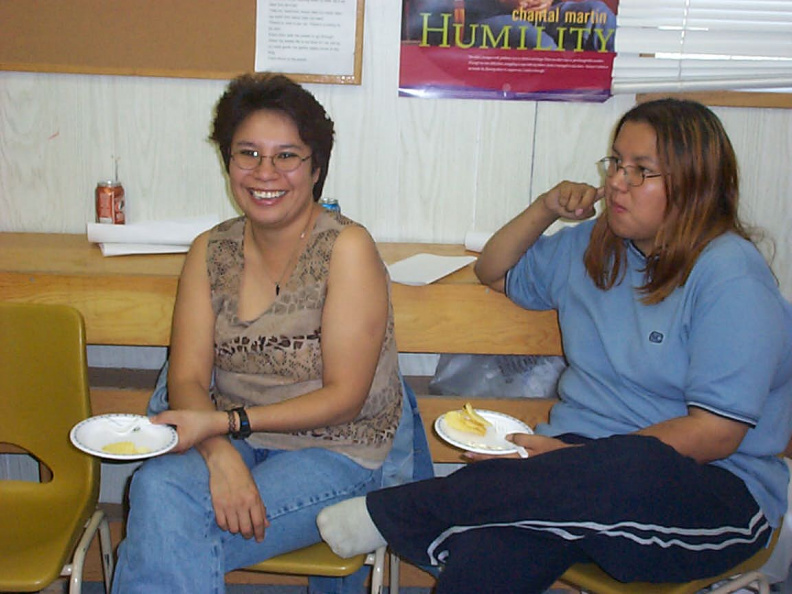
(481, 36)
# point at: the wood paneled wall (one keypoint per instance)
(409, 169)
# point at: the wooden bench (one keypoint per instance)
(128, 301)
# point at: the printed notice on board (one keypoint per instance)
(306, 36)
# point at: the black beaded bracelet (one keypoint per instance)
(244, 423)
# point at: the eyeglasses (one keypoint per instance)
(633, 175)
(284, 161)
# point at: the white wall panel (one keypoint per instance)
(168, 167)
(762, 139)
(409, 169)
(503, 162)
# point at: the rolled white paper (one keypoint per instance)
(475, 240)
(128, 249)
(174, 232)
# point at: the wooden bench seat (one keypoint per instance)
(129, 301)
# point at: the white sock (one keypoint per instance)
(348, 529)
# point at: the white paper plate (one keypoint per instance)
(94, 433)
(494, 442)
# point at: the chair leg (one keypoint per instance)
(377, 571)
(746, 579)
(107, 553)
(394, 574)
(78, 560)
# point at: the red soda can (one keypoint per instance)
(110, 202)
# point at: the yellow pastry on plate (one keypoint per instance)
(467, 420)
(124, 447)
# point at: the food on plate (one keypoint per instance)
(467, 420)
(124, 447)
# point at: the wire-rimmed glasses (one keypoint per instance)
(285, 161)
(633, 175)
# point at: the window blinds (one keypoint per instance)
(703, 45)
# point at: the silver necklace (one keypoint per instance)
(291, 257)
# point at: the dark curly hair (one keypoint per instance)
(249, 93)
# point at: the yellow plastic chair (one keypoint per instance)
(47, 526)
(589, 578)
(319, 560)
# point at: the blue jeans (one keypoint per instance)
(173, 544)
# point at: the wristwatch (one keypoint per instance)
(244, 423)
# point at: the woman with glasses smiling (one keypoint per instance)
(660, 461)
(283, 381)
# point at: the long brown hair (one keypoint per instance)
(699, 166)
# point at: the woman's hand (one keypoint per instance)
(236, 500)
(537, 444)
(572, 200)
(193, 426)
(533, 444)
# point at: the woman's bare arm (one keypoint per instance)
(569, 200)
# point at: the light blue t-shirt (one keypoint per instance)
(722, 342)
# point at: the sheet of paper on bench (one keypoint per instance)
(422, 269)
(152, 237)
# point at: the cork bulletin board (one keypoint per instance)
(172, 38)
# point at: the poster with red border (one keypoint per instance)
(538, 50)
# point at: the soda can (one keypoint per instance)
(330, 204)
(110, 202)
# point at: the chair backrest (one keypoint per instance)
(44, 392)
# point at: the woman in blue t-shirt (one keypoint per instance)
(660, 462)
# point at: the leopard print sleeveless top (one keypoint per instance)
(278, 356)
